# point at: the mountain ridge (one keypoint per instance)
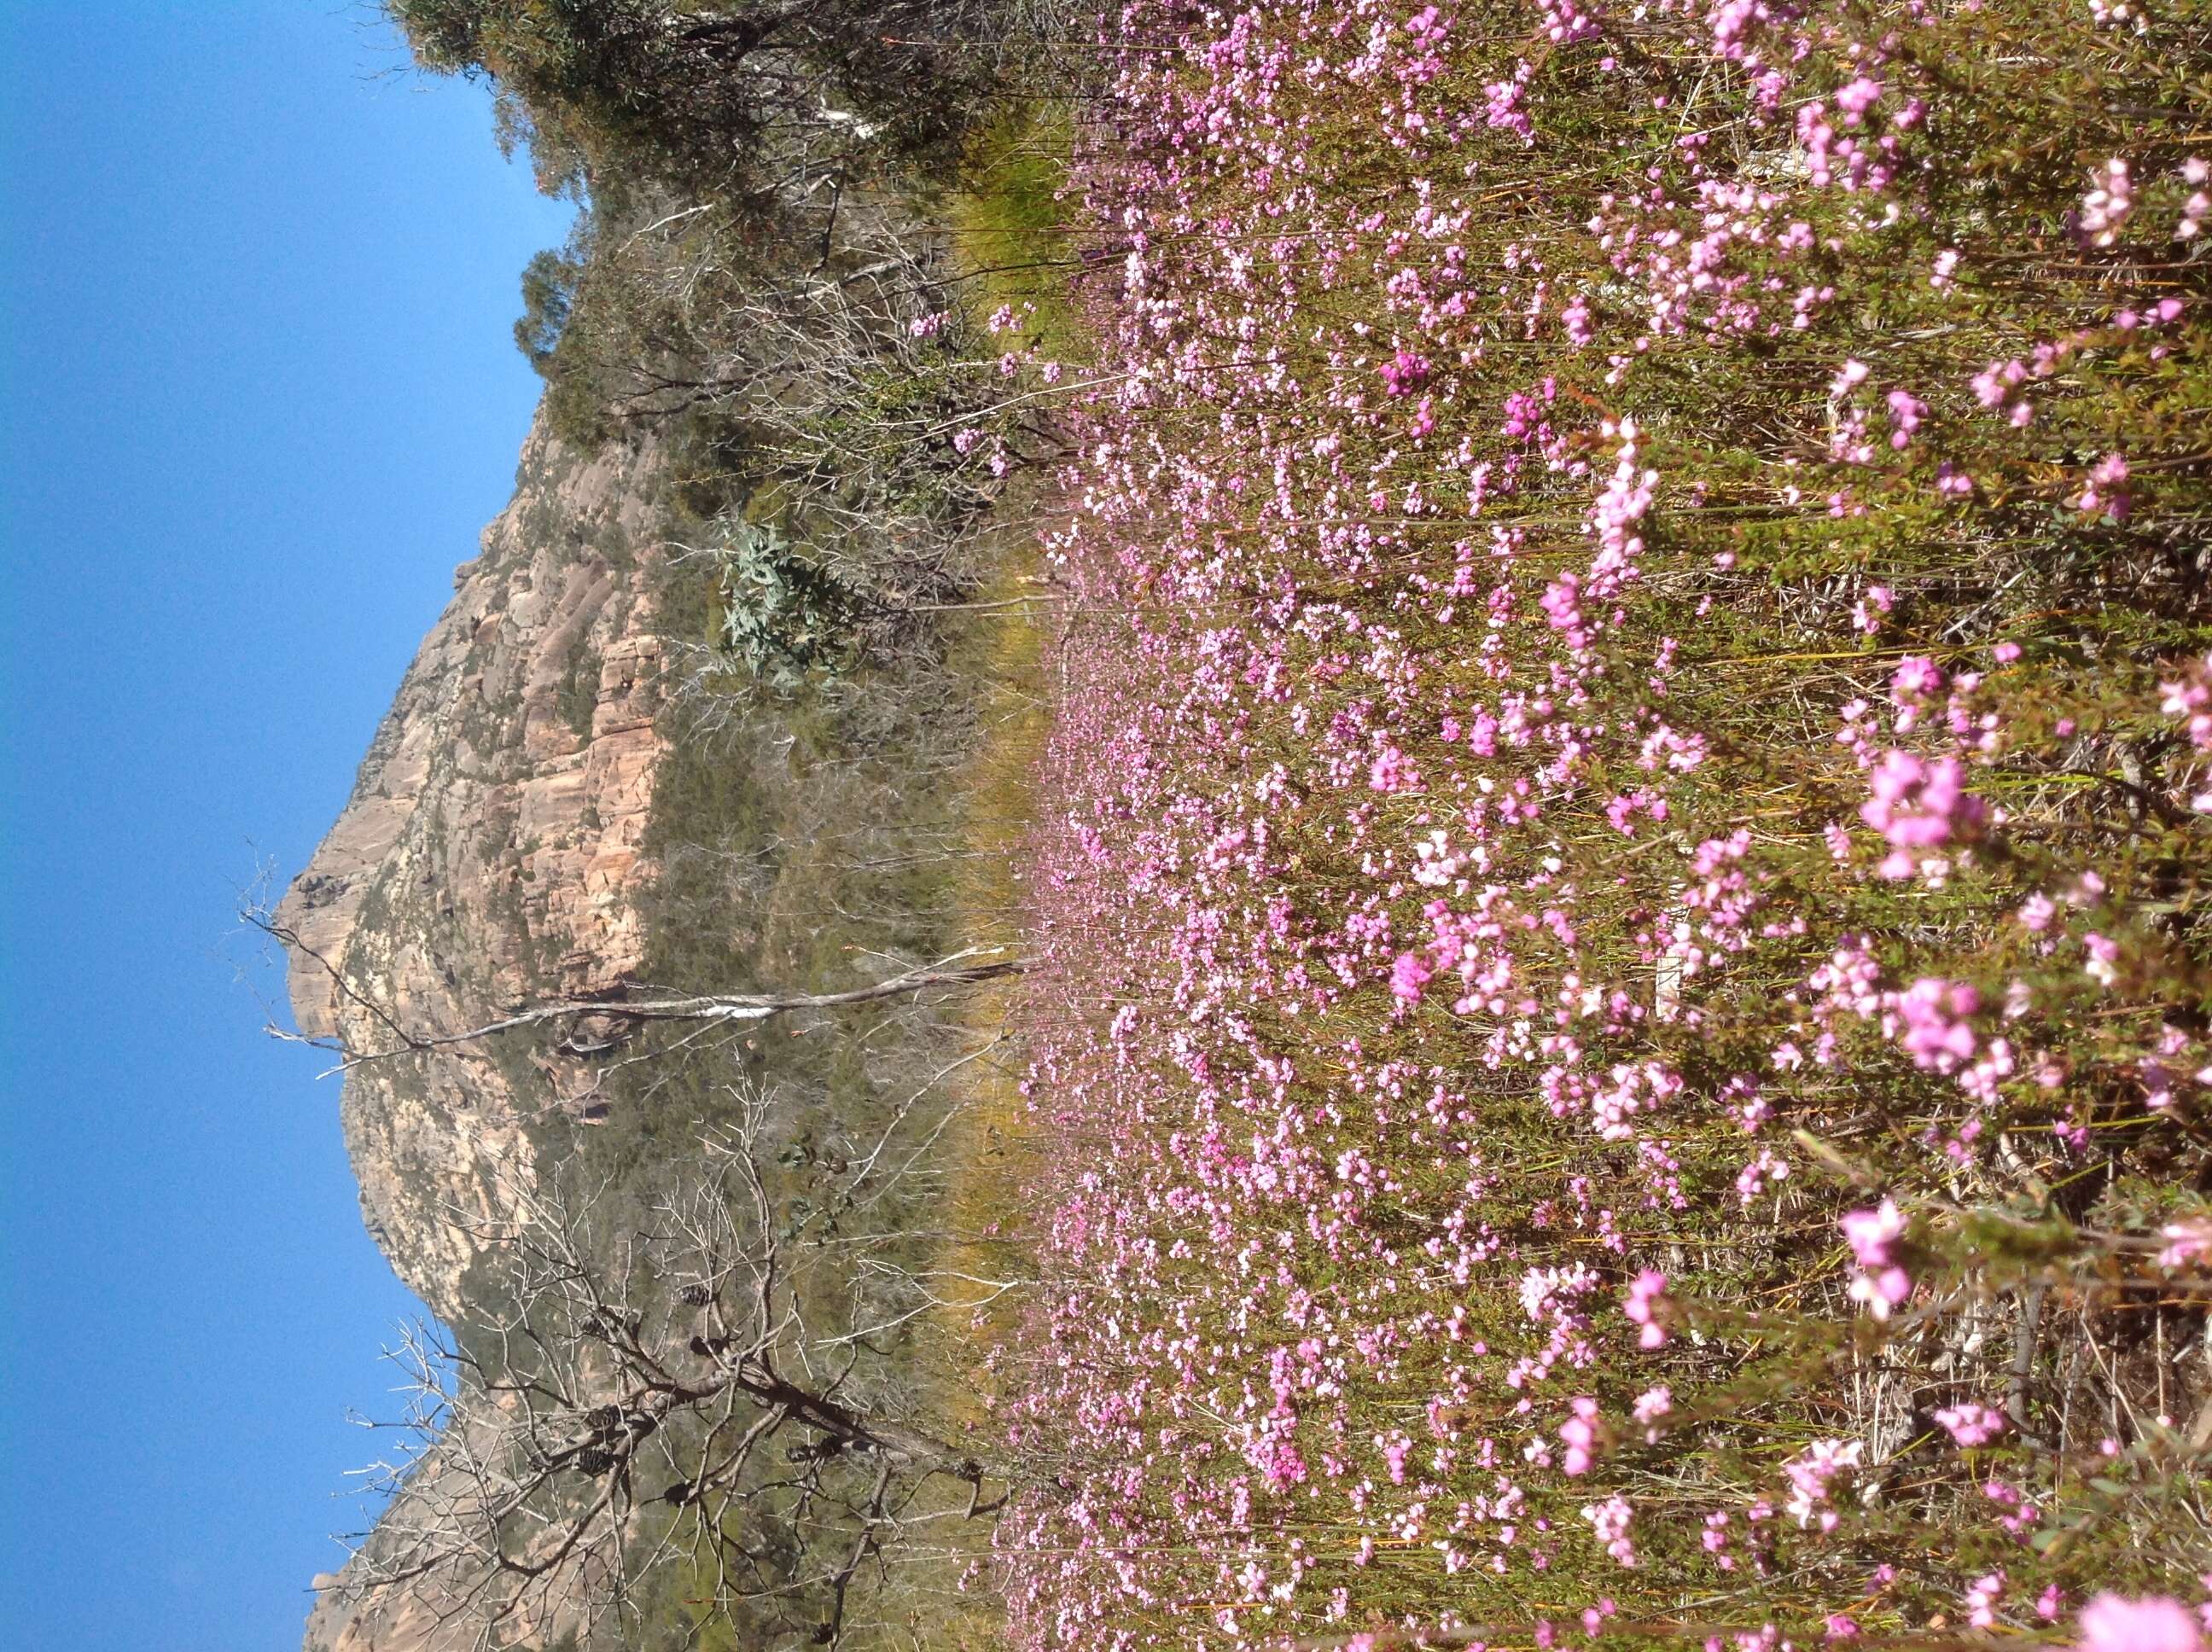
(490, 848)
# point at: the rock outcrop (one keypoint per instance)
(489, 850)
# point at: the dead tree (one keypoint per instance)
(625, 1010)
(679, 1403)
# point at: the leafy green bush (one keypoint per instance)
(784, 617)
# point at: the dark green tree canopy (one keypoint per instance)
(549, 294)
(729, 97)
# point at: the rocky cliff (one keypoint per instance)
(490, 848)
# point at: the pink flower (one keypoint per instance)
(1856, 98)
(1580, 1434)
(1391, 772)
(2190, 697)
(1881, 1283)
(1919, 805)
(1404, 373)
(2104, 495)
(1881, 1290)
(1809, 1474)
(2155, 1623)
(1994, 382)
(1610, 1521)
(1871, 1232)
(1652, 1405)
(1906, 411)
(2185, 1243)
(2103, 958)
(1645, 1294)
(2107, 206)
(1972, 1424)
(1982, 1597)
(1408, 975)
(1935, 1015)
(1915, 677)
(1560, 602)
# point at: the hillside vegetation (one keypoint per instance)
(762, 328)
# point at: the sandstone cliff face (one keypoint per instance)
(489, 849)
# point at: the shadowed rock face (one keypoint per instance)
(491, 847)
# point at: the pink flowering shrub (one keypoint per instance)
(2112, 1623)
(1622, 1012)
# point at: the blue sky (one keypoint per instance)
(256, 283)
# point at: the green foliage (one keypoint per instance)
(1010, 220)
(550, 280)
(783, 617)
(578, 695)
(721, 97)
